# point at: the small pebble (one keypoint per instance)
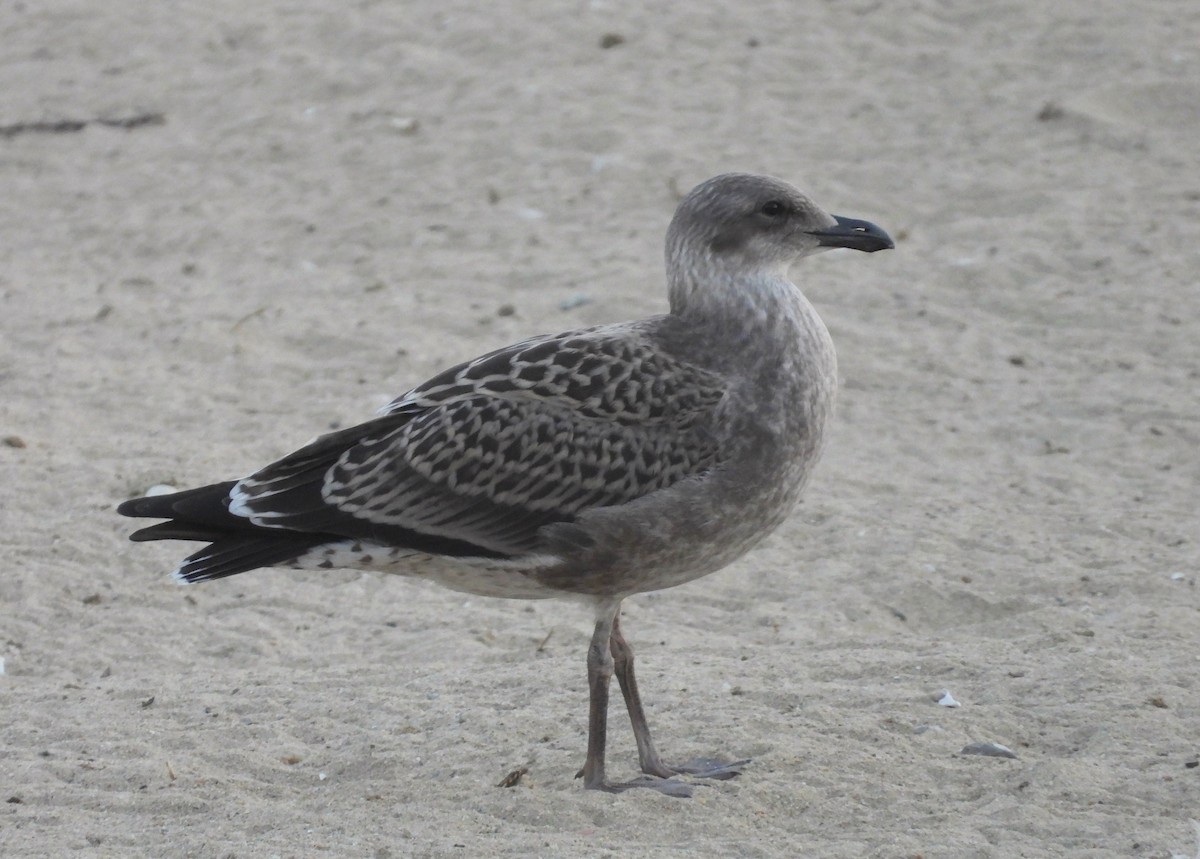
(14, 441)
(947, 700)
(1050, 112)
(513, 778)
(574, 301)
(405, 125)
(991, 750)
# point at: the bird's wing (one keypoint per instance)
(483, 455)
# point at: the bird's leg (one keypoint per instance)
(600, 670)
(622, 656)
(648, 757)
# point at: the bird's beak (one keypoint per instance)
(856, 234)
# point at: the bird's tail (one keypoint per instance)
(236, 545)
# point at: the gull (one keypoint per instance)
(593, 464)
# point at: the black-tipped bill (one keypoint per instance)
(856, 234)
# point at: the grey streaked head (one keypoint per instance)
(759, 223)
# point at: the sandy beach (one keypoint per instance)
(228, 228)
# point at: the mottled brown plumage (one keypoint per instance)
(596, 463)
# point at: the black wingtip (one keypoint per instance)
(233, 555)
(204, 501)
(130, 507)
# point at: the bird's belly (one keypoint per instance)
(507, 578)
(669, 538)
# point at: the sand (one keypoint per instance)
(227, 228)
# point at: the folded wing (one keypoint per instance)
(474, 462)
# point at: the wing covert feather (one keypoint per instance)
(492, 450)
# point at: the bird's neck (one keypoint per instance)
(701, 284)
(748, 313)
(759, 329)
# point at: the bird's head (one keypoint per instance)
(759, 223)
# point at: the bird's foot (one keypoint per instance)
(698, 767)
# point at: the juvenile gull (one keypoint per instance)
(596, 464)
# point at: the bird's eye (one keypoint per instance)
(773, 209)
